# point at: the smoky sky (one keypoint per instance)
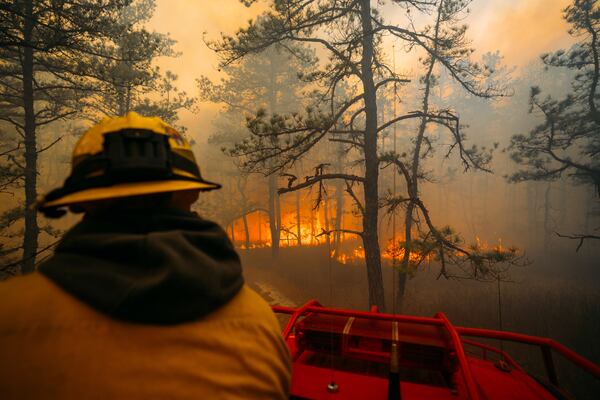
(520, 30)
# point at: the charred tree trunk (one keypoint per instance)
(485, 200)
(274, 217)
(274, 213)
(339, 210)
(259, 223)
(326, 219)
(30, 239)
(413, 184)
(547, 217)
(413, 190)
(339, 200)
(278, 215)
(312, 226)
(371, 195)
(298, 219)
(121, 101)
(246, 230)
(241, 185)
(127, 100)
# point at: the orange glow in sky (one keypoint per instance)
(520, 29)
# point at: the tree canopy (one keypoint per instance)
(350, 33)
(567, 141)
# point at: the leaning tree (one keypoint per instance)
(447, 47)
(350, 33)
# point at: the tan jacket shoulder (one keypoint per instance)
(54, 346)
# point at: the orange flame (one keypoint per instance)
(344, 248)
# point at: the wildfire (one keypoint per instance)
(353, 255)
(343, 248)
(484, 246)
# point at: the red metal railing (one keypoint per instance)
(465, 368)
(311, 307)
(546, 345)
(486, 348)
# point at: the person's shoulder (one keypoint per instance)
(19, 294)
(247, 305)
(32, 296)
(22, 288)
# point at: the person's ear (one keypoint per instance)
(184, 199)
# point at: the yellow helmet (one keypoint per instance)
(127, 156)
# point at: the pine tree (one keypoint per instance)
(129, 79)
(266, 82)
(48, 50)
(567, 142)
(351, 34)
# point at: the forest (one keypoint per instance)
(415, 155)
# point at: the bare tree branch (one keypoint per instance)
(580, 237)
(311, 180)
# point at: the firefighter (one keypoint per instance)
(142, 299)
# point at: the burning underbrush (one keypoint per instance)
(332, 225)
(347, 248)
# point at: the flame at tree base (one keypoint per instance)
(347, 249)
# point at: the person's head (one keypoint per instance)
(129, 163)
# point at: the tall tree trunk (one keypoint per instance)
(339, 199)
(259, 223)
(371, 184)
(120, 101)
(413, 190)
(128, 100)
(485, 200)
(274, 212)
(278, 213)
(298, 219)
(413, 185)
(381, 107)
(246, 230)
(274, 217)
(532, 209)
(326, 219)
(241, 186)
(339, 210)
(562, 207)
(547, 217)
(312, 225)
(30, 239)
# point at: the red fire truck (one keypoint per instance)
(346, 354)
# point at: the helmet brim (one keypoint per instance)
(127, 190)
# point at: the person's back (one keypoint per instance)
(54, 347)
(142, 298)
